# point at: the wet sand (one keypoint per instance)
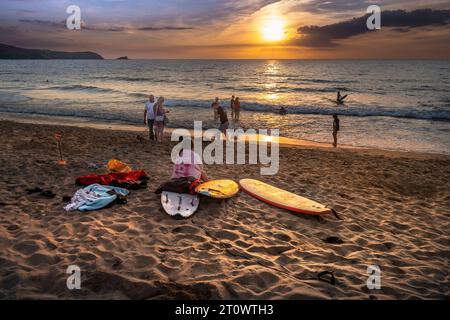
(395, 210)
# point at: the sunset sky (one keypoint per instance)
(304, 29)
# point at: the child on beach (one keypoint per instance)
(335, 129)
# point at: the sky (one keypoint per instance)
(232, 29)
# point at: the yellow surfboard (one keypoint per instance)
(282, 198)
(219, 189)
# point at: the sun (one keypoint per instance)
(273, 29)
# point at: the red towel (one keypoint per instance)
(125, 179)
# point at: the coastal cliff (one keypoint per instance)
(11, 52)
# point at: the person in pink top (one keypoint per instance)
(188, 164)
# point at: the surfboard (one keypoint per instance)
(281, 198)
(181, 204)
(219, 189)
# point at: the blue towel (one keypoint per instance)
(94, 197)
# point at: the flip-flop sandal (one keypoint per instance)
(47, 194)
(322, 276)
(35, 190)
(333, 240)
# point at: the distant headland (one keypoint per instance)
(11, 52)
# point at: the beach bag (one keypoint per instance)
(166, 120)
(159, 118)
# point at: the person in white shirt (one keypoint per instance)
(149, 116)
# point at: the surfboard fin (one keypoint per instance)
(179, 203)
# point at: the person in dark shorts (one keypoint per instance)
(335, 129)
(216, 102)
(149, 116)
(223, 118)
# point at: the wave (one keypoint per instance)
(362, 111)
(86, 114)
(438, 113)
(355, 111)
(80, 87)
(284, 89)
(133, 118)
(95, 89)
(128, 79)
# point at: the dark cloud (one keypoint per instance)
(351, 6)
(25, 13)
(318, 6)
(164, 28)
(400, 20)
(84, 26)
(45, 23)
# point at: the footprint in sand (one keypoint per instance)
(40, 259)
(27, 247)
(186, 229)
(119, 227)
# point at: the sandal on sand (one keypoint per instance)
(47, 194)
(35, 190)
(336, 214)
(322, 276)
(333, 240)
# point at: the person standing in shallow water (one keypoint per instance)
(340, 99)
(335, 129)
(216, 115)
(159, 112)
(232, 107)
(237, 108)
(223, 119)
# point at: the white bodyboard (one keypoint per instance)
(181, 204)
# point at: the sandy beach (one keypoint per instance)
(395, 210)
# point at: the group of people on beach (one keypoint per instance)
(156, 119)
(155, 115)
(221, 114)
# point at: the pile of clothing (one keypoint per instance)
(135, 179)
(103, 190)
(96, 197)
(180, 185)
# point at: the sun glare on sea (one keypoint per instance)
(273, 29)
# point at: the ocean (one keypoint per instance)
(396, 105)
